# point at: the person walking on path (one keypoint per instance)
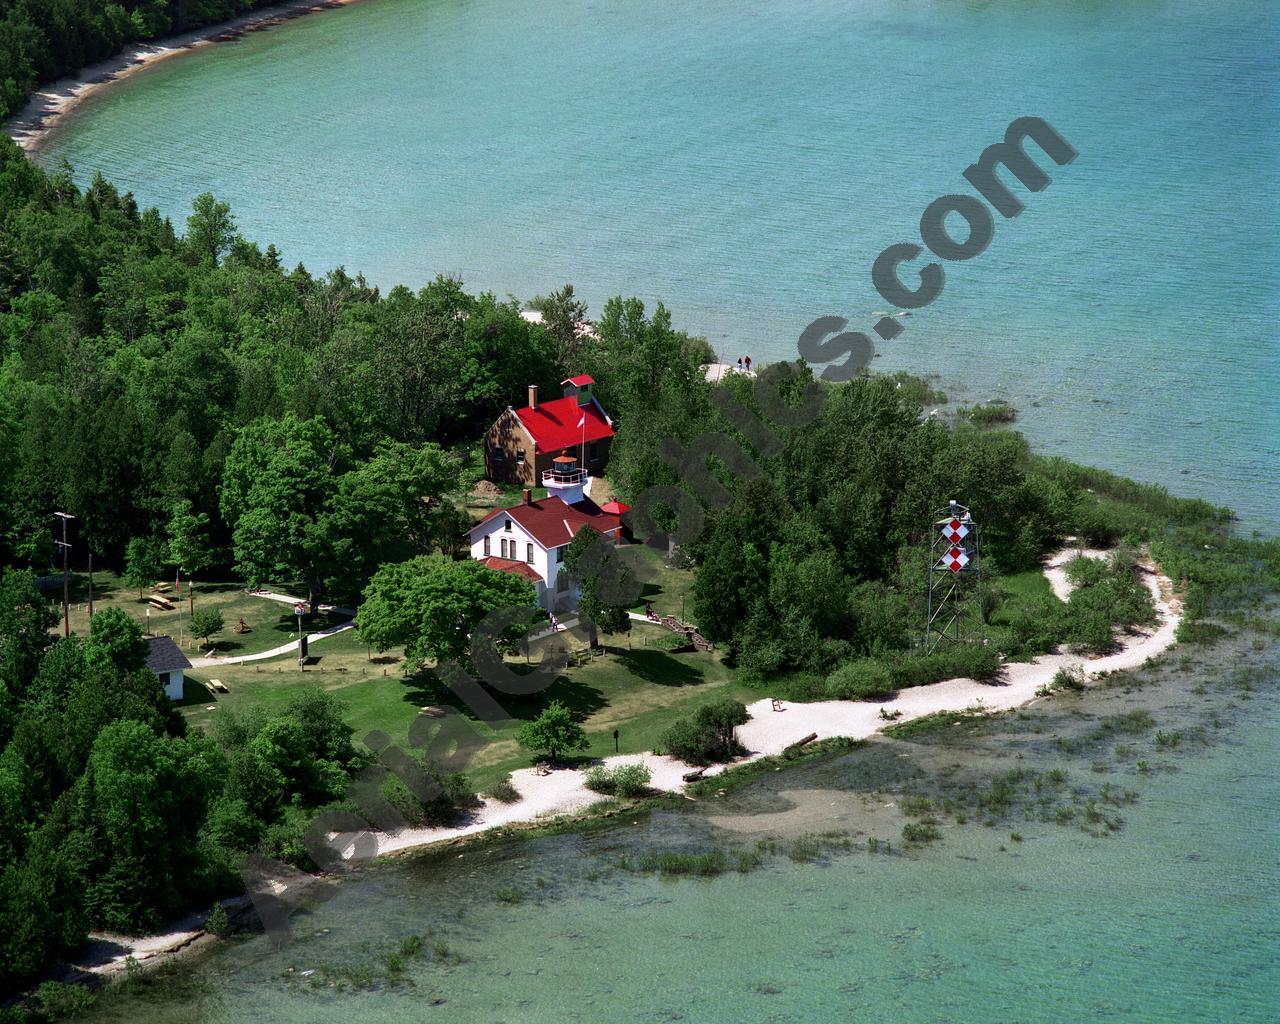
(748, 362)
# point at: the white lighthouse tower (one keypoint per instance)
(565, 480)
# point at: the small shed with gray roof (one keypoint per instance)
(169, 664)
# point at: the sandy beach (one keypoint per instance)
(768, 732)
(51, 103)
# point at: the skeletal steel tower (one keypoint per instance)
(955, 578)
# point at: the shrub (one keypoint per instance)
(503, 791)
(861, 679)
(1069, 678)
(59, 1001)
(708, 736)
(1086, 572)
(1207, 633)
(624, 780)
(988, 414)
(1034, 627)
(973, 661)
(217, 922)
(440, 800)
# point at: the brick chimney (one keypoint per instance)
(528, 494)
(533, 396)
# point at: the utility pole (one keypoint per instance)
(91, 586)
(66, 578)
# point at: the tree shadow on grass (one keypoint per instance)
(287, 623)
(659, 667)
(424, 689)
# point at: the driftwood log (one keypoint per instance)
(794, 748)
(694, 776)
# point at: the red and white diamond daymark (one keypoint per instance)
(955, 559)
(954, 532)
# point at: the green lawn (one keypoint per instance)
(271, 623)
(669, 590)
(639, 690)
(1020, 589)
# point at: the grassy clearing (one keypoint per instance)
(640, 691)
(271, 623)
(669, 590)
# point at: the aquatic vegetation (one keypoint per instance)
(743, 774)
(804, 850)
(916, 805)
(1133, 722)
(674, 862)
(411, 945)
(920, 832)
(936, 722)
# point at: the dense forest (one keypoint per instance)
(41, 40)
(197, 405)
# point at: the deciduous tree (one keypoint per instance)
(554, 731)
(432, 605)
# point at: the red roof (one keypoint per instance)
(554, 425)
(552, 523)
(511, 566)
(614, 508)
(582, 380)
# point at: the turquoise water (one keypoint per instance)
(1175, 918)
(746, 163)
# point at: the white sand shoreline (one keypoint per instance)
(50, 103)
(768, 732)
